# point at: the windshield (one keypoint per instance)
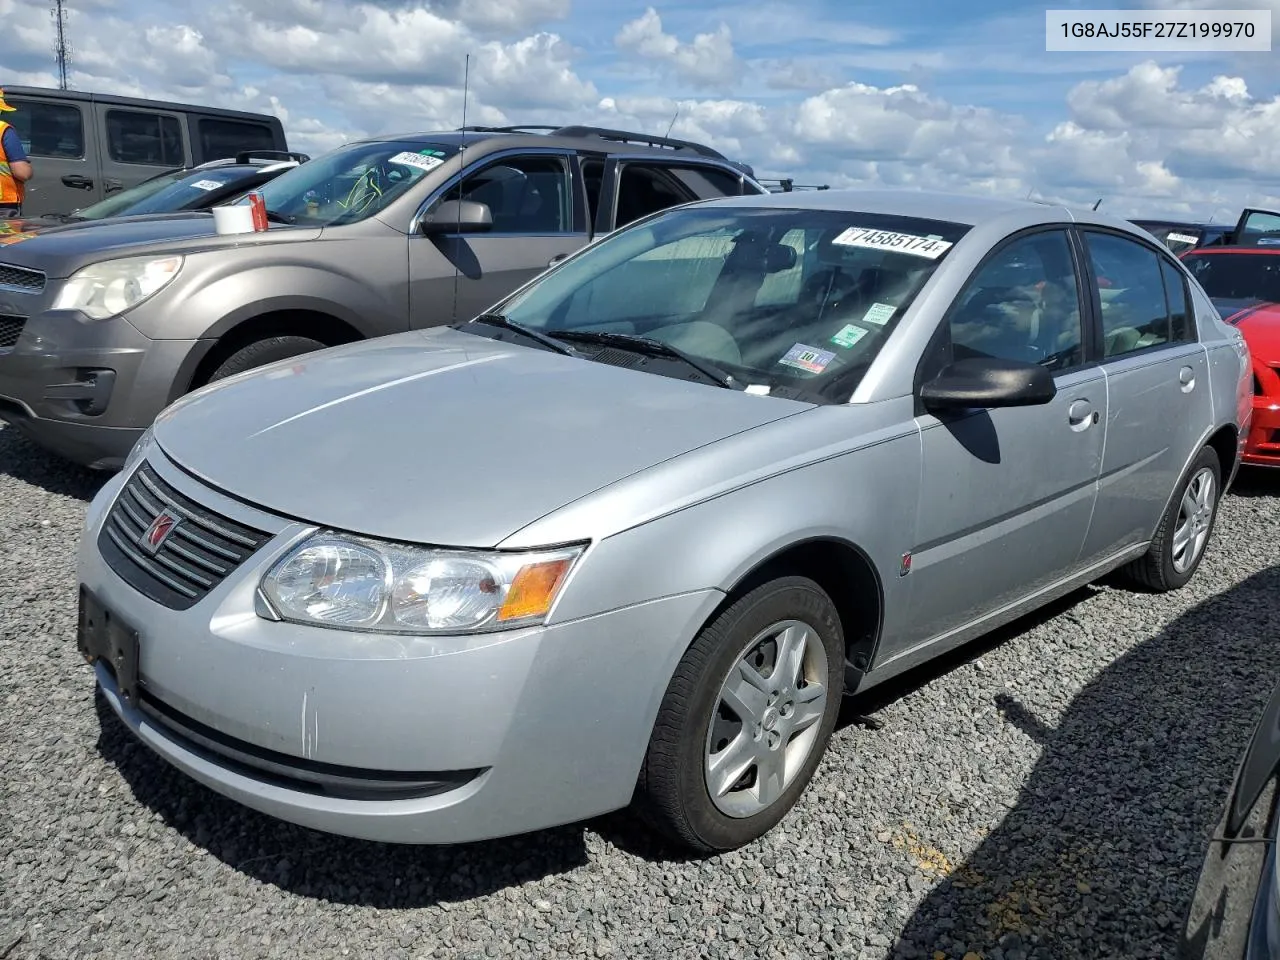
(798, 301)
(1177, 239)
(1237, 276)
(351, 183)
(169, 192)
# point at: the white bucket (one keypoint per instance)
(233, 219)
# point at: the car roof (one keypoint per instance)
(567, 138)
(969, 209)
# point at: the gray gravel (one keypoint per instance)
(1045, 795)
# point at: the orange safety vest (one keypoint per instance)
(11, 190)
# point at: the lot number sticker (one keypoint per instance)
(804, 357)
(1181, 238)
(849, 335)
(421, 161)
(929, 247)
(879, 314)
(206, 184)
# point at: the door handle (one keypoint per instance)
(556, 259)
(1187, 378)
(1079, 411)
(79, 181)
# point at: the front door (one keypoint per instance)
(61, 140)
(536, 223)
(1157, 381)
(1007, 494)
(1260, 228)
(138, 143)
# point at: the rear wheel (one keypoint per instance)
(1180, 542)
(746, 718)
(262, 352)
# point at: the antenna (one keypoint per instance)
(61, 50)
(1098, 204)
(462, 166)
(673, 121)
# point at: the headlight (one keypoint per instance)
(106, 289)
(139, 449)
(355, 583)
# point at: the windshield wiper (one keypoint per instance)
(499, 320)
(648, 345)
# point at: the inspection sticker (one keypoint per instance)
(879, 314)
(206, 184)
(421, 161)
(929, 247)
(807, 358)
(1181, 238)
(849, 335)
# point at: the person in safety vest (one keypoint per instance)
(15, 168)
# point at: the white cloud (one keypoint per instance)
(707, 61)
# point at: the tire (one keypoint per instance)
(673, 792)
(262, 352)
(1164, 566)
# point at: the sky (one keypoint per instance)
(931, 94)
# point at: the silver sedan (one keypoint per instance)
(629, 538)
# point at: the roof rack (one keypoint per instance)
(622, 136)
(788, 185)
(518, 128)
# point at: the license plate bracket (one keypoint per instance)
(102, 635)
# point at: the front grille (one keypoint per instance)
(21, 278)
(194, 554)
(10, 329)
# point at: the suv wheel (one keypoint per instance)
(263, 352)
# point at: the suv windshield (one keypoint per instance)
(800, 301)
(1237, 276)
(163, 194)
(352, 182)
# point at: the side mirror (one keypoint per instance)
(989, 382)
(459, 216)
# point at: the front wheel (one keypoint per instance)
(746, 718)
(1180, 542)
(262, 352)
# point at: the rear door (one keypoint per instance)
(61, 138)
(1258, 228)
(538, 220)
(138, 142)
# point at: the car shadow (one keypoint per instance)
(1255, 482)
(323, 866)
(23, 460)
(1119, 806)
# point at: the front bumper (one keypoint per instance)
(1262, 448)
(87, 390)
(510, 732)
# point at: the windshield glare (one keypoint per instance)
(1237, 276)
(798, 300)
(353, 182)
(119, 203)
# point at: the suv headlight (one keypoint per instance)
(107, 289)
(356, 583)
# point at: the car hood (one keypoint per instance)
(61, 249)
(1259, 322)
(442, 437)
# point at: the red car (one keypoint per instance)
(1244, 284)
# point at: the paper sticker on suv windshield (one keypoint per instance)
(879, 314)
(1181, 238)
(849, 335)
(206, 184)
(930, 247)
(418, 160)
(808, 358)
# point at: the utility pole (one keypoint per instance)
(59, 13)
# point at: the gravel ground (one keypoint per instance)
(1046, 794)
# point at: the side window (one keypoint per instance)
(525, 195)
(226, 138)
(707, 181)
(593, 176)
(153, 139)
(1182, 327)
(1135, 315)
(643, 190)
(54, 130)
(1023, 304)
(1260, 227)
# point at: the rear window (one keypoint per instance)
(226, 138)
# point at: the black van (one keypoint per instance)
(87, 146)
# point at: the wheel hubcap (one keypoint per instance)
(1195, 516)
(766, 719)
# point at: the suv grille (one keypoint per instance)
(21, 278)
(10, 329)
(169, 548)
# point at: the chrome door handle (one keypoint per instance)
(1187, 377)
(1079, 411)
